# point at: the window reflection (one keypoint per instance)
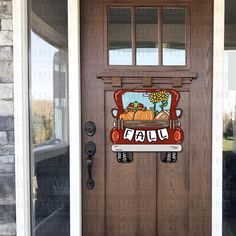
(229, 149)
(174, 36)
(49, 120)
(135, 30)
(146, 36)
(42, 89)
(119, 36)
(229, 125)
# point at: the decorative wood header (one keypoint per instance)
(147, 79)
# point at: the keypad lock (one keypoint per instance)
(90, 150)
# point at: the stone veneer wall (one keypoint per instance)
(7, 176)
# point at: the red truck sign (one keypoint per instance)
(146, 120)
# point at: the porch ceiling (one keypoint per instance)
(49, 20)
(230, 11)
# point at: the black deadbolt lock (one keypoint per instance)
(90, 128)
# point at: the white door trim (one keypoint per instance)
(75, 118)
(217, 117)
(21, 114)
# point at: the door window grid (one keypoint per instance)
(147, 36)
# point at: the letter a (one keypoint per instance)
(139, 136)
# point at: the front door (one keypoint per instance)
(146, 46)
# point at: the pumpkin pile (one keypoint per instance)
(137, 111)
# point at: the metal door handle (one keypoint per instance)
(90, 181)
(90, 149)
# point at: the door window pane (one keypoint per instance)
(142, 23)
(146, 36)
(119, 36)
(49, 119)
(174, 36)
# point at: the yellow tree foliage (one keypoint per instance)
(42, 121)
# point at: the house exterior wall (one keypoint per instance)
(7, 176)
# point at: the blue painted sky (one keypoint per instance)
(129, 97)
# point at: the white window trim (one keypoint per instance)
(75, 118)
(217, 118)
(21, 114)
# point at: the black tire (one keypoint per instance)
(124, 157)
(168, 157)
(118, 157)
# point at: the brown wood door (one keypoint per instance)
(148, 197)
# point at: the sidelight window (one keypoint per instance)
(147, 36)
(49, 119)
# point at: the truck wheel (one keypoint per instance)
(168, 157)
(124, 157)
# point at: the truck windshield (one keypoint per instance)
(156, 102)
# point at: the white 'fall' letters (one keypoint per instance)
(129, 133)
(140, 135)
(152, 136)
(163, 134)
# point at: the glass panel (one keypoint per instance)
(119, 36)
(157, 102)
(229, 150)
(229, 125)
(174, 36)
(49, 119)
(146, 36)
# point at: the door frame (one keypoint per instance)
(217, 118)
(21, 116)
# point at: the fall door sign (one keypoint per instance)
(146, 120)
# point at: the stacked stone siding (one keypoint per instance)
(7, 176)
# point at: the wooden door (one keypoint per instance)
(148, 197)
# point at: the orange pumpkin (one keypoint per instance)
(144, 115)
(127, 116)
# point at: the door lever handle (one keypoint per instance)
(90, 181)
(90, 149)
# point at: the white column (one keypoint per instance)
(75, 118)
(217, 117)
(22, 157)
